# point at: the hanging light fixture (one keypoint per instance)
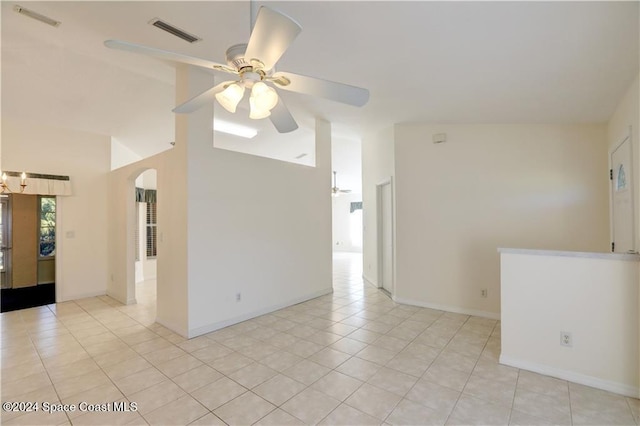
(264, 97)
(261, 101)
(231, 96)
(4, 186)
(255, 112)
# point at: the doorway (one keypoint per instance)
(384, 203)
(146, 239)
(622, 207)
(28, 250)
(5, 242)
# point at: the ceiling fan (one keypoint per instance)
(253, 65)
(335, 191)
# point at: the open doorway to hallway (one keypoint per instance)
(146, 240)
(346, 194)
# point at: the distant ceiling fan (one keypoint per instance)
(253, 64)
(335, 191)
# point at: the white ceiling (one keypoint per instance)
(445, 62)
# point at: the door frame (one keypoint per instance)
(622, 140)
(379, 238)
(6, 224)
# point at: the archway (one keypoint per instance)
(142, 231)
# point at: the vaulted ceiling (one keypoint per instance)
(472, 62)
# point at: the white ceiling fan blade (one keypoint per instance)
(339, 92)
(200, 100)
(271, 37)
(282, 118)
(166, 55)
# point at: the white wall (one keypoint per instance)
(377, 166)
(232, 223)
(594, 299)
(341, 214)
(81, 259)
(257, 226)
(172, 231)
(489, 186)
(172, 278)
(121, 155)
(627, 115)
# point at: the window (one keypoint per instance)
(47, 226)
(136, 235)
(151, 229)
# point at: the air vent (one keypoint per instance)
(165, 26)
(31, 14)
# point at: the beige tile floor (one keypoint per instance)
(350, 358)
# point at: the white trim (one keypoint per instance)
(582, 254)
(218, 325)
(84, 296)
(369, 281)
(622, 140)
(59, 251)
(572, 376)
(379, 248)
(447, 308)
(116, 298)
(172, 327)
(131, 301)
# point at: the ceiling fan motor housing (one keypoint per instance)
(235, 56)
(250, 72)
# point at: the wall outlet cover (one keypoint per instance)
(566, 339)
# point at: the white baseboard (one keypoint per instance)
(369, 281)
(447, 308)
(218, 325)
(66, 298)
(123, 301)
(173, 327)
(572, 376)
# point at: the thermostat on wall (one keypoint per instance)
(439, 137)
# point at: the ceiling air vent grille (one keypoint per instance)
(35, 15)
(174, 30)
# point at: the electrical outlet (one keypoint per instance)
(566, 339)
(483, 292)
(238, 297)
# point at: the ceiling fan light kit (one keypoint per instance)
(230, 97)
(254, 64)
(255, 112)
(264, 97)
